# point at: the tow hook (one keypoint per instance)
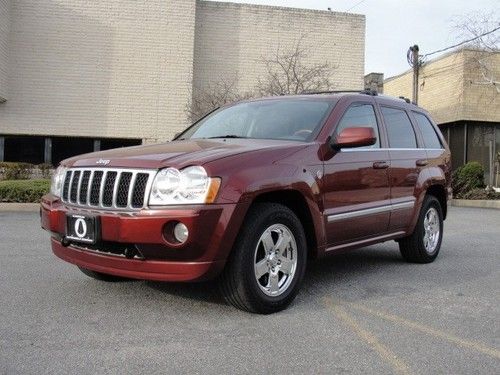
(65, 242)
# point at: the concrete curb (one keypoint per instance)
(476, 203)
(19, 207)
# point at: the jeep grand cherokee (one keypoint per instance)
(253, 191)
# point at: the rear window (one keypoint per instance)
(431, 139)
(399, 128)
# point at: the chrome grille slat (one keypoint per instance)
(73, 190)
(101, 190)
(131, 190)
(70, 184)
(108, 188)
(89, 189)
(115, 189)
(84, 187)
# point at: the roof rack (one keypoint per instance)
(365, 92)
(405, 99)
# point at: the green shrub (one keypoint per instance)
(16, 171)
(23, 191)
(481, 194)
(45, 169)
(466, 178)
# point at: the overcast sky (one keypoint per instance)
(393, 25)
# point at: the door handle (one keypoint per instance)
(422, 162)
(380, 165)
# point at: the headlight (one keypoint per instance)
(58, 181)
(188, 186)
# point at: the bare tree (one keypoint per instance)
(288, 73)
(212, 96)
(477, 26)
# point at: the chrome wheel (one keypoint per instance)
(275, 260)
(432, 230)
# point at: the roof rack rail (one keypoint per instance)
(405, 99)
(366, 92)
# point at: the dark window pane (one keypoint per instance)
(399, 128)
(478, 137)
(24, 149)
(431, 139)
(63, 148)
(107, 144)
(457, 139)
(360, 115)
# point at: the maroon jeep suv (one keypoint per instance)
(252, 191)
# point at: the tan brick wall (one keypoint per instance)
(124, 68)
(451, 88)
(482, 98)
(120, 68)
(4, 45)
(232, 40)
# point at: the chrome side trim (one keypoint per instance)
(370, 211)
(367, 240)
(391, 149)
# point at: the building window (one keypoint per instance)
(25, 149)
(107, 144)
(457, 139)
(478, 148)
(63, 148)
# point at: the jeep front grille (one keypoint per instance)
(107, 188)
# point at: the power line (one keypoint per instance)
(355, 5)
(462, 43)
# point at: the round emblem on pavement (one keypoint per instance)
(80, 228)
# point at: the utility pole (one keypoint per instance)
(414, 62)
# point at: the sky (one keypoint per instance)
(394, 25)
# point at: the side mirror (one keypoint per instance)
(354, 137)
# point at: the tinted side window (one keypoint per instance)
(360, 114)
(431, 139)
(399, 128)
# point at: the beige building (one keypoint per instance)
(77, 76)
(461, 90)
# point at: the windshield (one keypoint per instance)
(290, 119)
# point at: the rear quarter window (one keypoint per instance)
(431, 139)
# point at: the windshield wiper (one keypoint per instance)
(227, 136)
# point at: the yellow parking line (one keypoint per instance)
(495, 353)
(384, 352)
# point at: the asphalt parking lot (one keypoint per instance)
(360, 313)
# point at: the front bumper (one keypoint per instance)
(212, 231)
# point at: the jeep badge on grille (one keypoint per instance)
(103, 161)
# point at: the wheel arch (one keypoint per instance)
(439, 192)
(296, 202)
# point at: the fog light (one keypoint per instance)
(181, 232)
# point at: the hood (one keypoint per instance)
(178, 154)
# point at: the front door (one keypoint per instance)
(356, 185)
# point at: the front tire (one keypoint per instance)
(267, 264)
(423, 245)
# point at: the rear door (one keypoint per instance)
(407, 162)
(356, 183)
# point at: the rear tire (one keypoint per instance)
(102, 276)
(267, 264)
(423, 245)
